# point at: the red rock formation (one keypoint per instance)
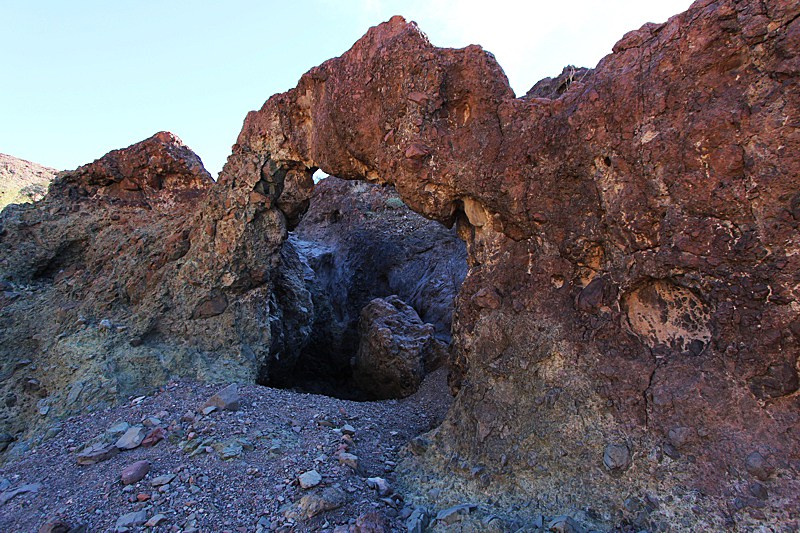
(627, 337)
(633, 246)
(159, 172)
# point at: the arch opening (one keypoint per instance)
(358, 242)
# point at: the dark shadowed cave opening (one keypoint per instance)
(356, 242)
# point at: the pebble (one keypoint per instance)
(309, 479)
(132, 438)
(136, 518)
(347, 429)
(226, 399)
(454, 513)
(564, 524)
(162, 480)
(96, 453)
(135, 472)
(155, 520)
(381, 485)
(30, 487)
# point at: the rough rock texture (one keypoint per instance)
(90, 275)
(22, 181)
(633, 251)
(396, 349)
(555, 87)
(357, 242)
(632, 248)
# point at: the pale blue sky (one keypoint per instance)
(85, 77)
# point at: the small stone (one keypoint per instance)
(758, 467)
(210, 409)
(309, 479)
(564, 524)
(347, 429)
(132, 438)
(315, 503)
(454, 513)
(30, 487)
(135, 472)
(136, 518)
(153, 438)
(381, 485)
(616, 458)
(96, 453)
(162, 480)
(418, 520)
(226, 399)
(106, 324)
(348, 459)
(155, 520)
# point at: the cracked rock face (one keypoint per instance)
(632, 246)
(629, 325)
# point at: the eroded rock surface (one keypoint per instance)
(627, 335)
(396, 349)
(632, 248)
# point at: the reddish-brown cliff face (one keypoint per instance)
(629, 322)
(626, 341)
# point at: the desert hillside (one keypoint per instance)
(22, 181)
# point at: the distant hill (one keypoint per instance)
(22, 181)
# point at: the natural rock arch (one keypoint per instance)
(667, 178)
(664, 169)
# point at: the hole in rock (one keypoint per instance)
(356, 243)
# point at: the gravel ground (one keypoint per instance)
(285, 435)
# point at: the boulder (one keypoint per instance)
(394, 350)
(135, 472)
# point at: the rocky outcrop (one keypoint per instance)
(627, 323)
(160, 172)
(90, 275)
(553, 88)
(22, 181)
(396, 350)
(626, 339)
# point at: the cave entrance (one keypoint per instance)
(358, 242)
